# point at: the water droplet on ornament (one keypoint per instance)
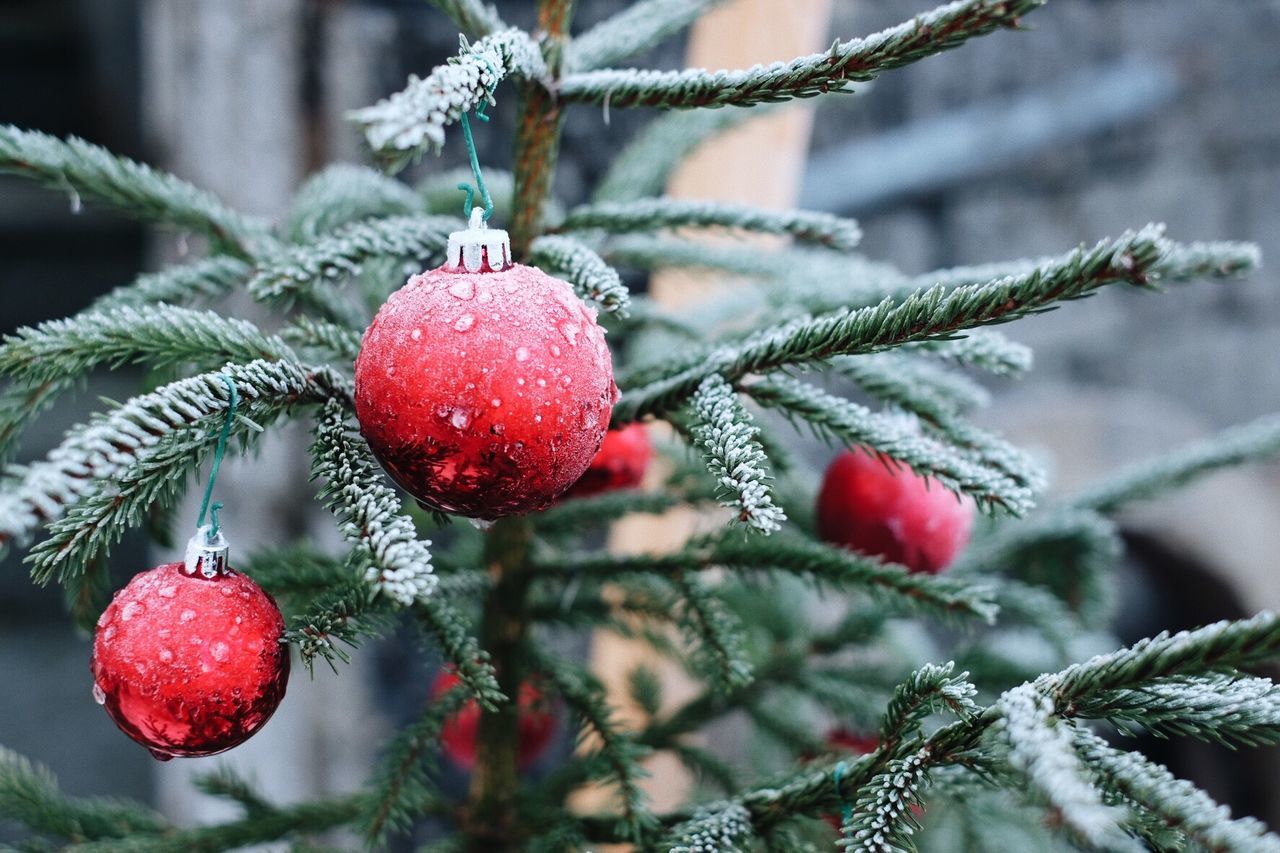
(537, 419)
(497, 429)
(102, 619)
(220, 651)
(522, 353)
(99, 695)
(480, 523)
(168, 591)
(461, 418)
(76, 205)
(566, 380)
(542, 383)
(496, 403)
(239, 619)
(465, 322)
(158, 755)
(416, 334)
(163, 632)
(462, 289)
(555, 350)
(186, 615)
(132, 609)
(486, 296)
(519, 380)
(166, 656)
(226, 590)
(570, 332)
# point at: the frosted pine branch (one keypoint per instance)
(714, 828)
(986, 349)
(440, 194)
(334, 342)
(856, 425)
(733, 455)
(882, 820)
(344, 193)
(645, 215)
(203, 280)
(299, 270)
(413, 120)
(474, 17)
(633, 30)
(84, 170)
(1224, 708)
(1234, 446)
(929, 688)
(1177, 803)
(858, 60)
(917, 385)
(158, 335)
(929, 315)
(1211, 260)
(399, 563)
(590, 276)
(717, 631)
(1041, 748)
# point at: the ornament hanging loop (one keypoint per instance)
(207, 550)
(469, 203)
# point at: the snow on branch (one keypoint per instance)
(1042, 749)
(1177, 804)
(858, 60)
(399, 563)
(590, 276)
(882, 820)
(714, 828)
(344, 193)
(633, 30)
(84, 170)
(206, 280)
(985, 349)
(646, 215)
(413, 120)
(733, 454)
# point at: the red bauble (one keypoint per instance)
(882, 508)
(484, 393)
(187, 665)
(620, 464)
(458, 737)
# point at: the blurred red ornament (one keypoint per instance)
(537, 724)
(882, 508)
(484, 387)
(620, 464)
(189, 665)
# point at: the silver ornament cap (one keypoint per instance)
(206, 555)
(479, 248)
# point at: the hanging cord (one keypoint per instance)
(475, 162)
(219, 451)
(846, 807)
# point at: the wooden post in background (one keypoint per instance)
(759, 163)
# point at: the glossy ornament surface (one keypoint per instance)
(188, 665)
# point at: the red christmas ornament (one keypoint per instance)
(458, 737)
(190, 663)
(877, 507)
(620, 463)
(484, 387)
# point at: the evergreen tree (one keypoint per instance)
(998, 742)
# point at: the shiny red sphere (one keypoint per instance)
(189, 666)
(620, 463)
(458, 737)
(485, 394)
(882, 508)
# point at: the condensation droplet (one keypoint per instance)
(168, 591)
(102, 618)
(555, 350)
(99, 695)
(109, 633)
(497, 429)
(522, 353)
(566, 380)
(496, 403)
(519, 380)
(542, 383)
(130, 610)
(220, 651)
(227, 590)
(480, 523)
(462, 289)
(158, 755)
(416, 334)
(537, 419)
(570, 332)
(186, 615)
(166, 656)
(464, 323)
(461, 418)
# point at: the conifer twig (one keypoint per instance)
(344, 193)
(474, 17)
(633, 30)
(182, 284)
(590, 276)
(81, 169)
(858, 60)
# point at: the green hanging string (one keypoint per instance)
(218, 453)
(846, 807)
(475, 171)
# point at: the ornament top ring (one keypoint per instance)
(484, 387)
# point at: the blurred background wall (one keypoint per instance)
(1110, 114)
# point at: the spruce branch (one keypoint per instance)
(928, 689)
(298, 271)
(450, 631)
(368, 512)
(343, 193)
(985, 349)
(859, 60)
(81, 169)
(159, 335)
(345, 614)
(914, 384)
(571, 516)
(1234, 446)
(732, 452)
(590, 276)
(30, 796)
(403, 126)
(224, 782)
(714, 828)
(855, 425)
(882, 820)
(1041, 748)
(1177, 803)
(717, 632)
(440, 195)
(1228, 708)
(1211, 260)
(96, 458)
(633, 30)
(19, 406)
(937, 313)
(644, 215)
(203, 280)
(333, 342)
(473, 17)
